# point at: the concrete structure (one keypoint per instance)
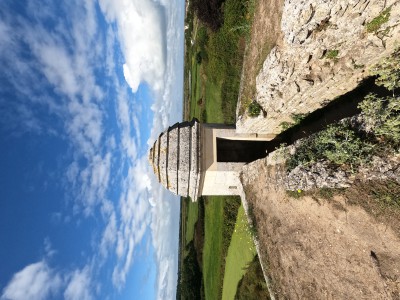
(193, 159)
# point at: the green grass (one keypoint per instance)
(332, 54)
(252, 286)
(213, 104)
(212, 258)
(240, 253)
(378, 21)
(225, 50)
(387, 194)
(254, 109)
(191, 219)
(195, 109)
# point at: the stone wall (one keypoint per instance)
(299, 77)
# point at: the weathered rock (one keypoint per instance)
(299, 77)
(318, 175)
(322, 175)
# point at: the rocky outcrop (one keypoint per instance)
(326, 51)
(321, 175)
(318, 175)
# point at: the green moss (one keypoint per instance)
(378, 21)
(285, 125)
(332, 54)
(295, 194)
(254, 109)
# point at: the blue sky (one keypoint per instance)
(85, 88)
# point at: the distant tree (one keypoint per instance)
(209, 12)
(252, 286)
(199, 57)
(202, 37)
(191, 276)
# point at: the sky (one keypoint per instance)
(85, 88)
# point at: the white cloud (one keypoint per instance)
(64, 59)
(140, 32)
(85, 127)
(67, 58)
(48, 248)
(125, 115)
(79, 286)
(165, 231)
(39, 281)
(57, 66)
(5, 36)
(35, 281)
(109, 235)
(134, 211)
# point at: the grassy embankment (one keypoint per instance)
(241, 251)
(192, 213)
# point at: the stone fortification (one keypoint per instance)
(326, 51)
(175, 158)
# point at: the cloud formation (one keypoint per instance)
(79, 286)
(62, 68)
(140, 32)
(35, 281)
(39, 281)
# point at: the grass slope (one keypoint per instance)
(195, 110)
(191, 219)
(240, 254)
(212, 258)
(213, 103)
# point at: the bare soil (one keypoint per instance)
(347, 247)
(264, 35)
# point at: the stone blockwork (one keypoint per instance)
(325, 52)
(175, 157)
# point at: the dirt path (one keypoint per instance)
(319, 249)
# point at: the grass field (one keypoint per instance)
(213, 103)
(240, 253)
(195, 109)
(212, 250)
(191, 219)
